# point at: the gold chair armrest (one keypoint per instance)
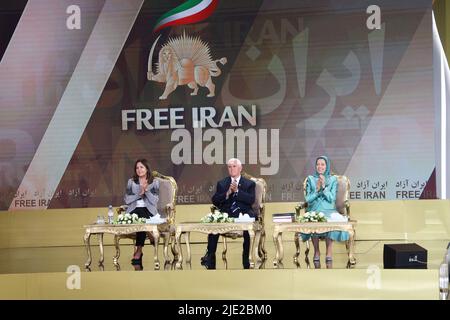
(170, 213)
(121, 209)
(347, 207)
(262, 208)
(300, 206)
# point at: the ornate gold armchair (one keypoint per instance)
(342, 206)
(167, 209)
(259, 209)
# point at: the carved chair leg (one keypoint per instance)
(307, 244)
(280, 250)
(351, 248)
(307, 247)
(187, 237)
(173, 247)
(256, 250)
(117, 246)
(224, 252)
(297, 247)
(180, 252)
(156, 235)
(87, 243)
(262, 249)
(166, 237)
(102, 254)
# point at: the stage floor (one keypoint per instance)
(33, 267)
(58, 259)
(47, 273)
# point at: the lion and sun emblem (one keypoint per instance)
(184, 60)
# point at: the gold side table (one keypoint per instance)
(312, 227)
(120, 230)
(253, 228)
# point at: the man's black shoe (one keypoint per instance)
(245, 261)
(209, 261)
(204, 258)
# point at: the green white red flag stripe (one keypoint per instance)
(192, 11)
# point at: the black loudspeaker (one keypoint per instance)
(404, 256)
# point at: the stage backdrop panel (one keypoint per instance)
(275, 84)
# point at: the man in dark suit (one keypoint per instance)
(234, 194)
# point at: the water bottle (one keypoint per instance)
(110, 214)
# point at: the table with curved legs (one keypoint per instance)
(121, 230)
(312, 227)
(253, 228)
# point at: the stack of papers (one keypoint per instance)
(283, 217)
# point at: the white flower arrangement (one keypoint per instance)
(129, 218)
(313, 216)
(217, 217)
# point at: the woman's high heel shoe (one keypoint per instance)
(137, 261)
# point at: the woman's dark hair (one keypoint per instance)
(149, 172)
